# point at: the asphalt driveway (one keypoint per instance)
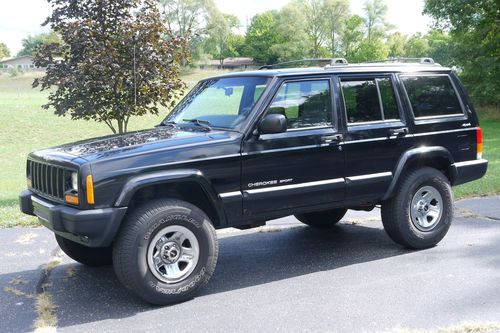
(282, 277)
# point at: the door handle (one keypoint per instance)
(398, 131)
(332, 138)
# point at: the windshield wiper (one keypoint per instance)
(167, 123)
(202, 123)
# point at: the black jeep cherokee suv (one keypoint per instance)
(247, 147)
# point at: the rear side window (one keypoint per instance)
(368, 100)
(432, 96)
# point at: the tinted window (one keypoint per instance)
(431, 95)
(388, 99)
(369, 100)
(304, 103)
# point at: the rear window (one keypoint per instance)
(432, 96)
(368, 100)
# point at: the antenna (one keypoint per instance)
(135, 81)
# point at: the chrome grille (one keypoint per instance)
(48, 180)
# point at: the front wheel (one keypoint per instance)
(421, 211)
(165, 251)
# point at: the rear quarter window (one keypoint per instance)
(432, 95)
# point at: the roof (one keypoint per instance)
(240, 61)
(16, 58)
(342, 69)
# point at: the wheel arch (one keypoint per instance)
(437, 157)
(189, 185)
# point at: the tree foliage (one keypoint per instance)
(352, 35)
(4, 51)
(336, 15)
(375, 19)
(475, 30)
(221, 41)
(189, 19)
(31, 43)
(117, 60)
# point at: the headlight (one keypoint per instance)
(74, 181)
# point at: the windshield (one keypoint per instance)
(219, 102)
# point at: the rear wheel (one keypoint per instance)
(421, 211)
(166, 251)
(324, 219)
(90, 256)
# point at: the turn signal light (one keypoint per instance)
(71, 199)
(90, 190)
(479, 143)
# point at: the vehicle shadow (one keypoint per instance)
(84, 294)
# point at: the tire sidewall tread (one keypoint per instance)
(130, 250)
(396, 216)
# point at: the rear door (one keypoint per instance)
(441, 116)
(302, 167)
(376, 132)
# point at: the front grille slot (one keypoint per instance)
(48, 180)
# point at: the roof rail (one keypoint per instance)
(424, 61)
(323, 61)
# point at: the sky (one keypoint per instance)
(20, 18)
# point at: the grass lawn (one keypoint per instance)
(25, 126)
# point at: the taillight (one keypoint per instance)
(479, 143)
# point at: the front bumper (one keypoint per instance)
(93, 227)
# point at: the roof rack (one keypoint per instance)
(424, 61)
(327, 62)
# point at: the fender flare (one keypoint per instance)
(138, 182)
(418, 154)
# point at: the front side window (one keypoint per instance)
(368, 100)
(304, 103)
(220, 102)
(431, 95)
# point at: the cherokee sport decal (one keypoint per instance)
(270, 182)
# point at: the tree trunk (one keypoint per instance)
(120, 126)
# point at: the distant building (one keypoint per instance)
(229, 63)
(24, 63)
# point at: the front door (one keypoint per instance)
(303, 166)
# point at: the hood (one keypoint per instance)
(134, 142)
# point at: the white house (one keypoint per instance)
(22, 63)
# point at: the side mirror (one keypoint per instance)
(272, 124)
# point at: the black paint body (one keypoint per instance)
(249, 178)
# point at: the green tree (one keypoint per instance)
(475, 32)
(375, 19)
(417, 46)
(371, 51)
(221, 39)
(337, 13)
(261, 36)
(315, 24)
(294, 43)
(4, 51)
(351, 36)
(396, 43)
(188, 19)
(31, 43)
(118, 60)
(441, 47)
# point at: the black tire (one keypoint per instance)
(397, 216)
(324, 219)
(141, 227)
(89, 256)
